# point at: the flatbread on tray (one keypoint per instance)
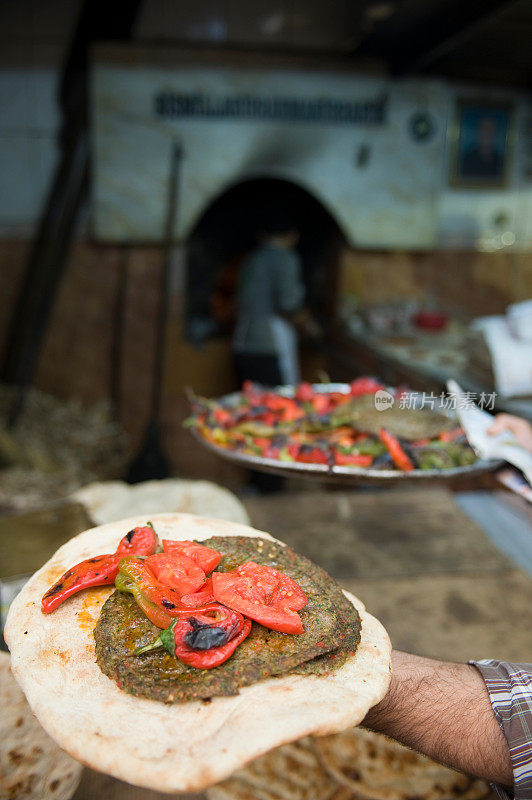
(171, 748)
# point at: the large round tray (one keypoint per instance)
(336, 474)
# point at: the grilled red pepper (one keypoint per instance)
(135, 570)
(308, 454)
(344, 460)
(97, 571)
(203, 640)
(100, 570)
(159, 602)
(450, 436)
(397, 454)
(138, 542)
(155, 614)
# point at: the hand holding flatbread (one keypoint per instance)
(182, 746)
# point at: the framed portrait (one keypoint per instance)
(482, 144)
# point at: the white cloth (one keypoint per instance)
(511, 356)
(285, 339)
(475, 421)
(520, 316)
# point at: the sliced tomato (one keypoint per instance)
(223, 417)
(263, 594)
(365, 385)
(276, 402)
(261, 441)
(275, 585)
(177, 571)
(205, 557)
(337, 398)
(286, 407)
(292, 413)
(199, 598)
(320, 403)
(305, 392)
(252, 393)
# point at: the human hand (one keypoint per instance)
(521, 429)
(443, 709)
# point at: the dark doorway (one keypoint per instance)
(228, 230)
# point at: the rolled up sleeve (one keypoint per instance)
(510, 690)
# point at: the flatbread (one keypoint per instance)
(108, 501)
(352, 765)
(374, 767)
(32, 766)
(167, 747)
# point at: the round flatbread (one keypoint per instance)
(171, 748)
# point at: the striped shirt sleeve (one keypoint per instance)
(510, 690)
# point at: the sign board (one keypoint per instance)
(373, 151)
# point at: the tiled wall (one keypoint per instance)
(33, 38)
(28, 149)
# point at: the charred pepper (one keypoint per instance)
(159, 602)
(99, 570)
(203, 640)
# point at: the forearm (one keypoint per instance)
(444, 711)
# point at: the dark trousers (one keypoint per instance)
(261, 368)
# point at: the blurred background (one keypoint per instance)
(160, 133)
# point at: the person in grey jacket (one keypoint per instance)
(270, 293)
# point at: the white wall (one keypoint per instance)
(401, 198)
(33, 39)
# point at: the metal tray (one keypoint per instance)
(337, 474)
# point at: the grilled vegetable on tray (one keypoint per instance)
(334, 428)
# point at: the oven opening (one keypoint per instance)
(229, 230)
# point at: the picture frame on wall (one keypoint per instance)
(482, 144)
